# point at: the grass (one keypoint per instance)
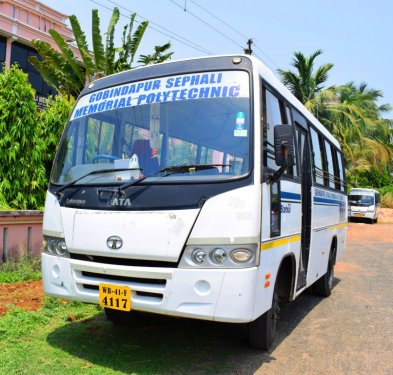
(23, 269)
(47, 342)
(72, 337)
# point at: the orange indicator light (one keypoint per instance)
(267, 276)
(267, 284)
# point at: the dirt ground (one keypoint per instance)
(29, 295)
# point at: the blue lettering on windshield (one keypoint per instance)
(187, 87)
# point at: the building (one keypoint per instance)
(21, 21)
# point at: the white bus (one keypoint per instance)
(364, 204)
(199, 188)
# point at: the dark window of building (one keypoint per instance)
(3, 45)
(20, 55)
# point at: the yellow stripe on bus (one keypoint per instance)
(280, 242)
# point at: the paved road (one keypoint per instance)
(351, 332)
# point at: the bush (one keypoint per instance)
(386, 196)
(52, 122)
(28, 141)
(22, 174)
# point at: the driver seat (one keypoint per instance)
(147, 161)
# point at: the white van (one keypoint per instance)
(364, 204)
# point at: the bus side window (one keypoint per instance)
(330, 165)
(276, 112)
(341, 183)
(317, 157)
(273, 116)
(291, 171)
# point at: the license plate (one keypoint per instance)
(115, 297)
(359, 215)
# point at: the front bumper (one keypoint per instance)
(225, 295)
(362, 215)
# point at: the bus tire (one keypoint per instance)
(263, 329)
(323, 287)
(117, 317)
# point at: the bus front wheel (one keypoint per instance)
(263, 329)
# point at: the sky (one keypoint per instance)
(355, 35)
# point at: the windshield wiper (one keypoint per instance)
(191, 168)
(182, 168)
(99, 171)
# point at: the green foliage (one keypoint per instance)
(69, 71)
(24, 269)
(22, 174)
(3, 203)
(386, 196)
(56, 70)
(28, 141)
(52, 122)
(352, 114)
(305, 83)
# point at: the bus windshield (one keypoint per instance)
(361, 200)
(138, 129)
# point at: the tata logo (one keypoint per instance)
(114, 242)
(123, 202)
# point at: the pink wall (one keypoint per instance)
(20, 234)
(25, 20)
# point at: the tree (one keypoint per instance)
(351, 113)
(305, 83)
(22, 175)
(51, 124)
(68, 75)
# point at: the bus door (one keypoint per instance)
(304, 154)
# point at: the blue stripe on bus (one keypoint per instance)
(292, 196)
(333, 202)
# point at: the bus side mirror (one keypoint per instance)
(284, 149)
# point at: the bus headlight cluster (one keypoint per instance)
(56, 246)
(236, 256)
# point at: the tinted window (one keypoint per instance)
(330, 164)
(20, 55)
(340, 172)
(2, 51)
(273, 117)
(317, 157)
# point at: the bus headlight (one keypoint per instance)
(56, 246)
(219, 256)
(198, 256)
(228, 256)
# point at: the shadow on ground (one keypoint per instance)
(163, 345)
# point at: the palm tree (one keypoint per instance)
(367, 135)
(305, 83)
(351, 113)
(68, 74)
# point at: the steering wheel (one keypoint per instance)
(103, 156)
